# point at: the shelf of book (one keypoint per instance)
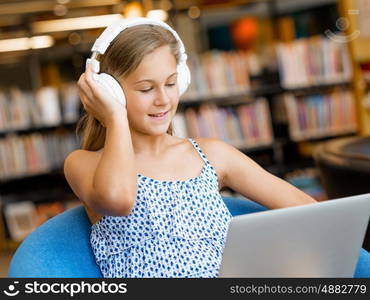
(20, 222)
(246, 124)
(34, 153)
(49, 106)
(311, 61)
(321, 115)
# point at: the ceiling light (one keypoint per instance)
(194, 12)
(74, 38)
(60, 10)
(42, 41)
(133, 10)
(74, 23)
(36, 42)
(158, 14)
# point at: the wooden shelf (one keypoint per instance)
(239, 97)
(306, 136)
(36, 129)
(320, 88)
(31, 175)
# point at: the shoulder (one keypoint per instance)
(209, 145)
(79, 164)
(216, 151)
(216, 148)
(81, 156)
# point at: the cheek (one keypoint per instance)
(175, 91)
(137, 102)
(173, 94)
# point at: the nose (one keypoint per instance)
(162, 97)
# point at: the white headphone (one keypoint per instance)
(108, 82)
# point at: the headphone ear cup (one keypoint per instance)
(183, 77)
(111, 86)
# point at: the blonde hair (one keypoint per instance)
(123, 56)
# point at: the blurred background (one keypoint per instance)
(284, 81)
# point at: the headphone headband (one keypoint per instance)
(109, 34)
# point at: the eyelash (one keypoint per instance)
(148, 90)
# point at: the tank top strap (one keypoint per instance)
(200, 152)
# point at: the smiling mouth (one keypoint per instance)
(158, 115)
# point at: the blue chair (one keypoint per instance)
(61, 247)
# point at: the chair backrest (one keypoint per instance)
(61, 246)
(344, 166)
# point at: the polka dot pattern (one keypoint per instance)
(176, 229)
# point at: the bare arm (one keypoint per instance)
(115, 175)
(246, 177)
(106, 182)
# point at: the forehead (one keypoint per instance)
(160, 62)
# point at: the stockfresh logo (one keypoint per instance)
(343, 24)
(12, 291)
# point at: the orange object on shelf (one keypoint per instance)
(244, 32)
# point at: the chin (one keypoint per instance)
(158, 132)
(155, 130)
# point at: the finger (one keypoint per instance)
(85, 88)
(87, 107)
(88, 71)
(86, 78)
(90, 81)
(86, 99)
(97, 91)
(90, 74)
(83, 101)
(93, 86)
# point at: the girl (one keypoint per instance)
(153, 198)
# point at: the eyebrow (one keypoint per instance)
(153, 80)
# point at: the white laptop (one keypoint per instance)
(314, 240)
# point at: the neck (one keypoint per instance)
(150, 145)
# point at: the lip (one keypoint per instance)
(162, 112)
(159, 118)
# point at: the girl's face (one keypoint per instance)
(152, 89)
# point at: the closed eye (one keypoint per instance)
(149, 89)
(146, 90)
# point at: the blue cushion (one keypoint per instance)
(61, 247)
(238, 206)
(58, 248)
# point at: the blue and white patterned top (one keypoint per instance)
(176, 229)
